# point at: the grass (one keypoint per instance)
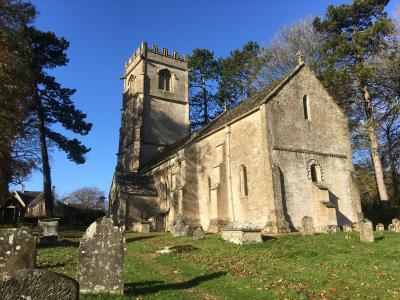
(287, 267)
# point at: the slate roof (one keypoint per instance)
(223, 119)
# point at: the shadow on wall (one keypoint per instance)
(160, 126)
(284, 201)
(341, 218)
(153, 287)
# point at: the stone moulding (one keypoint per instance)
(309, 152)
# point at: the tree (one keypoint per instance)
(87, 196)
(278, 57)
(203, 82)
(16, 162)
(51, 104)
(352, 34)
(238, 73)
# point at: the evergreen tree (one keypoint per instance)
(203, 83)
(238, 74)
(15, 162)
(353, 34)
(52, 105)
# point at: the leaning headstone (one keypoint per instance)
(347, 228)
(380, 227)
(101, 259)
(357, 225)
(307, 225)
(36, 284)
(366, 231)
(179, 229)
(17, 250)
(198, 234)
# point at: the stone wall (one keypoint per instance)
(296, 143)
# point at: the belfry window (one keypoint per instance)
(243, 181)
(164, 80)
(306, 107)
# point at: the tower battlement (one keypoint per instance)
(156, 50)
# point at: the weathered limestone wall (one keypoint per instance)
(297, 142)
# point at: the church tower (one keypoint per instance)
(155, 109)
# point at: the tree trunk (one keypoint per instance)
(392, 165)
(373, 139)
(48, 195)
(205, 104)
(5, 173)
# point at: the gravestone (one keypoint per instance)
(380, 227)
(36, 284)
(241, 233)
(101, 259)
(396, 225)
(347, 228)
(50, 229)
(307, 225)
(198, 234)
(331, 229)
(366, 231)
(17, 250)
(179, 229)
(141, 226)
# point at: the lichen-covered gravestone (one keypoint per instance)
(36, 284)
(101, 259)
(331, 229)
(198, 234)
(347, 228)
(17, 250)
(307, 225)
(180, 228)
(380, 227)
(366, 231)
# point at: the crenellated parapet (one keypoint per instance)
(144, 49)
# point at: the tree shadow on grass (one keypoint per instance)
(184, 248)
(139, 238)
(153, 287)
(59, 243)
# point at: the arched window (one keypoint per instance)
(243, 181)
(306, 107)
(315, 173)
(164, 80)
(131, 82)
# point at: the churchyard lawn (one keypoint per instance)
(287, 267)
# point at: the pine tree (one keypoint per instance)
(238, 74)
(52, 105)
(353, 34)
(203, 76)
(15, 17)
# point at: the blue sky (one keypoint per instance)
(104, 34)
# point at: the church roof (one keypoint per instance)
(223, 119)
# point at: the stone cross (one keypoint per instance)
(299, 57)
(17, 250)
(307, 225)
(101, 259)
(36, 284)
(366, 231)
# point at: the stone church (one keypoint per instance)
(275, 158)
